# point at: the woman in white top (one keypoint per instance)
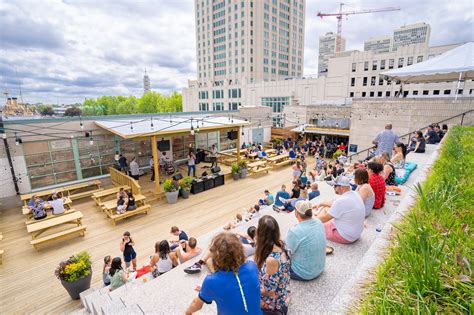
(163, 260)
(361, 178)
(191, 162)
(398, 159)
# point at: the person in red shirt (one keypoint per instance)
(377, 182)
(342, 147)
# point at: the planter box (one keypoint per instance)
(74, 288)
(172, 197)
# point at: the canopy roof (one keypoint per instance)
(312, 129)
(161, 126)
(445, 67)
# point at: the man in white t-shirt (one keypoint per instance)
(213, 155)
(57, 204)
(134, 169)
(344, 217)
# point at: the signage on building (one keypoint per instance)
(353, 148)
(60, 144)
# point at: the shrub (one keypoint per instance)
(170, 185)
(235, 168)
(76, 267)
(185, 183)
(242, 164)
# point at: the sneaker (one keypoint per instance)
(196, 268)
(275, 208)
(282, 199)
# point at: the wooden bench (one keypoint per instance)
(1, 250)
(49, 216)
(45, 193)
(111, 205)
(75, 191)
(260, 170)
(284, 162)
(99, 196)
(116, 217)
(36, 230)
(67, 205)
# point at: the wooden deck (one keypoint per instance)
(27, 281)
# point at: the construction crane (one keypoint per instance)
(339, 19)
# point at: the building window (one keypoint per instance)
(415, 92)
(391, 62)
(380, 81)
(374, 65)
(354, 67)
(203, 107)
(447, 92)
(382, 64)
(366, 65)
(410, 61)
(400, 62)
(372, 94)
(426, 92)
(276, 103)
(387, 94)
(435, 92)
(351, 94)
(217, 106)
(234, 105)
(419, 59)
(460, 91)
(364, 81)
(380, 94)
(353, 81)
(405, 93)
(372, 81)
(364, 94)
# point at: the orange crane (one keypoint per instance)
(339, 19)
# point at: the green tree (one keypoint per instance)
(46, 111)
(73, 111)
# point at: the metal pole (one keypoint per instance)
(457, 87)
(462, 118)
(10, 162)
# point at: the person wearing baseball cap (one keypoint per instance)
(307, 244)
(343, 218)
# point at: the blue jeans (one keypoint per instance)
(192, 167)
(294, 276)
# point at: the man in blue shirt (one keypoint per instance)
(385, 140)
(314, 191)
(282, 194)
(307, 244)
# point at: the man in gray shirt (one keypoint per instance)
(134, 169)
(385, 140)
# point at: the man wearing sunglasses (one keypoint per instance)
(343, 218)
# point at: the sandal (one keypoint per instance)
(329, 250)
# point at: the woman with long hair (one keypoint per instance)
(399, 156)
(274, 267)
(118, 276)
(361, 178)
(163, 260)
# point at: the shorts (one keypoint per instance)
(132, 207)
(296, 173)
(130, 256)
(333, 235)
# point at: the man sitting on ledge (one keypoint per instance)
(344, 217)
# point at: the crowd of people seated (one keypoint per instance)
(125, 201)
(37, 206)
(251, 272)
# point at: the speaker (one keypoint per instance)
(197, 187)
(177, 176)
(208, 183)
(232, 135)
(215, 169)
(218, 180)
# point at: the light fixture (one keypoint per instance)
(91, 141)
(197, 128)
(131, 126)
(242, 130)
(4, 136)
(17, 140)
(80, 122)
(192, 128)
(151, 123)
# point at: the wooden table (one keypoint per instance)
(111, 205)
(257, 164)
(107, 192)
(278, 158)
(271, 151)
(259, 167)
(26, 197)
(76, 191)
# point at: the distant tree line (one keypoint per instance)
(151, 102)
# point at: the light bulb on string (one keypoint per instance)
(80, 122)
(131, 126)
(4, 136)
(91, 141)
(242, 130)
(197, 128)
(151, 123)
(192, 128)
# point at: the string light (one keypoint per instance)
(197, 129)
(80, 122)
(242, 130)
(131, 126)
(192, 128)
(17, 140)
(151, 125)
(91, 141)
(4, 136)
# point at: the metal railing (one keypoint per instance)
(409, 135)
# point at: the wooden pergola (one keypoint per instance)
(156, 128)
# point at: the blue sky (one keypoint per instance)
(65, 51)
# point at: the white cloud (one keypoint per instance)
(64, 51)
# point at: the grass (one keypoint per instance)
(428, 267)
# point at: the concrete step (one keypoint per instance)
(122, 310)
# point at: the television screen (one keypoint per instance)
(232, 135)
(164, 145)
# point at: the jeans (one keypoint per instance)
(294, 276)
(192, 167)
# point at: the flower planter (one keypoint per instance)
(185, 194)
(172, 197)
(235, 176)
(76, 287)
(243, 173)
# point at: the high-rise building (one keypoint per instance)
(146, 83)
(249, 41)
(327, 49)
(418, 33)
(378, 45)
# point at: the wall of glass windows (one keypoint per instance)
(52, 162)
(277, 104)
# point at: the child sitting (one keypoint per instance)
(252, 213)
(121, 205)
(234, 223)
(105, 270)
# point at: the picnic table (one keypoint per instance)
(47, 206)
(36, 230)
(258, 167)
(44, 193)
(99, 196)
(110, 208)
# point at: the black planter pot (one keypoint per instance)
(185, 194)
(76, 287)
(235, 176)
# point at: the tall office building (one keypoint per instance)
(418, 33)
(378, 45)
(327, 49)
(249, 41)
(146, 83)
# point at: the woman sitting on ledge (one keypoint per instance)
(163, 260)
(418, 143)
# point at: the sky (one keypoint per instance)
(61, 52)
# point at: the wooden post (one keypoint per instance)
(238, 144)
(154, 149)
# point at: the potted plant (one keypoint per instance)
(235, 169)
(75, 274)
(185, 185)
(171, 190)
(243, 168)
